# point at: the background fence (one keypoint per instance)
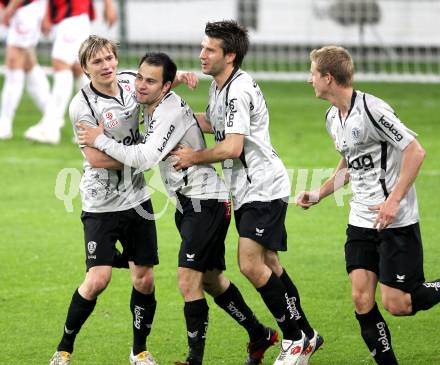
(396, 40)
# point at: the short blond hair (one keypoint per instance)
(92, 45)
(336, 61)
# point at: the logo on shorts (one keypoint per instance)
(190, 257)
(91, 247)
(400, 278)
(259, 232)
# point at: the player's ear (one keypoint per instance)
(166, 87)
(230, 57)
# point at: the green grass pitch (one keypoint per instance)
(42, 249)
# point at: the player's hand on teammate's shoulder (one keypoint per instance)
(87, 134)
(306, 199)
(188, 78)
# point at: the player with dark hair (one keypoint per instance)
(203, 212)
(381, 158)
(260, 187)
(115, 201)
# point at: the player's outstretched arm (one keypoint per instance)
(340, 177)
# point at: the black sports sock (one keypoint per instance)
(232, 302)
(275, 296)
(196, 317)
(295, 302)
(425, 296)
(79, 310)
(143, 307)
(377, 336)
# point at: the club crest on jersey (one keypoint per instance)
(356, 134)
(110, 120)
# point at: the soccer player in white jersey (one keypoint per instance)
(203, 214)
(381, 157)
(260, 187)
(23, 19)
(115, 201)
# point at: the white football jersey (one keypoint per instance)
(172, 123)
(372, 139)
(239, 107)
(106, 190)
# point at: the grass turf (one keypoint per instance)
(42, 249)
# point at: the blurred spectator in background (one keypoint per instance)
(71, 19)
(22, 18)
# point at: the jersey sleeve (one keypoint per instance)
(80, 112)
(238, 109)
(165, 131)
(385, 125)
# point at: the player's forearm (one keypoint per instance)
(141, 156)
(204, 125)
(220, 152)
(98, 159)
(412, 160)
(339, 178)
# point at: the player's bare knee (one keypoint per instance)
(362, 301)
(96, 284)
(396, 306)
(142, 278)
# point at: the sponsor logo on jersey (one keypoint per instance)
(232, 111)
(364, 162)
(383, 336)
(110, 120)
(133, 138)
(390, 126)
(166, 138)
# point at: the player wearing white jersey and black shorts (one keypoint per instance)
(259, 184)
(115, 201)
(381, 157)
(203, 212)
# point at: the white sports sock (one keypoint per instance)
(11, 94)
(38, 86)
(59, 98)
